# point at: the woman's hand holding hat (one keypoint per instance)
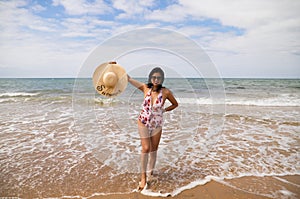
(110, 79)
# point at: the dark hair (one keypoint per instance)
(156, 70)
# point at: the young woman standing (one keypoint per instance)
(150, 120)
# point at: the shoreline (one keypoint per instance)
(222, 190)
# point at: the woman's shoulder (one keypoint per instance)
(144, 86)
(166, 90)
(146, 89)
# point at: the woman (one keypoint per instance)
(150, 120)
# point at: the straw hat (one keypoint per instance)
(110, 79)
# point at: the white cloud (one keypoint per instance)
(273, 24)
(173, 13)
(38, 8)
(18, 21)
(245, 14)
(81, 7)
(30, 44)
(132, 8)
(268, 43)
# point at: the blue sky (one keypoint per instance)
(52, 38)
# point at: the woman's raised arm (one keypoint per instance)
(136, 83)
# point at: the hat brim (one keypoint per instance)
(110, 91)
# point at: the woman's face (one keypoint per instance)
(156, 79)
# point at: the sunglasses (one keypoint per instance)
(156, 77)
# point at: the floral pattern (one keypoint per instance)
(152, 114)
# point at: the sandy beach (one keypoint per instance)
(217, 190)
(58, 145)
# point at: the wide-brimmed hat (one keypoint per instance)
(110, 79)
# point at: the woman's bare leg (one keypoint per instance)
(146, 145)
(144, 160)
(154, 141)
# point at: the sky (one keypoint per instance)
(53, 38)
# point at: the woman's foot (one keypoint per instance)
(142, 185)
(143, 181)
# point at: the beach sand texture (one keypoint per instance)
(55, 146)
(216, 190)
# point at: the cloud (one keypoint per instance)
(82, 7)
(265, 25)
(87, 27)
(31, 44)
(18, 21)
(173, 13)
(132, 8)
(238, 35)
(246, 14)
(38, 8)
(268, 45)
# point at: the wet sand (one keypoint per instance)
(286, 187)
(59, 144)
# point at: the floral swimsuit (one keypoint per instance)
(152, 114)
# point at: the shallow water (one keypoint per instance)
(59, 140)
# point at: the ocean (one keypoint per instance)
(61, 139)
